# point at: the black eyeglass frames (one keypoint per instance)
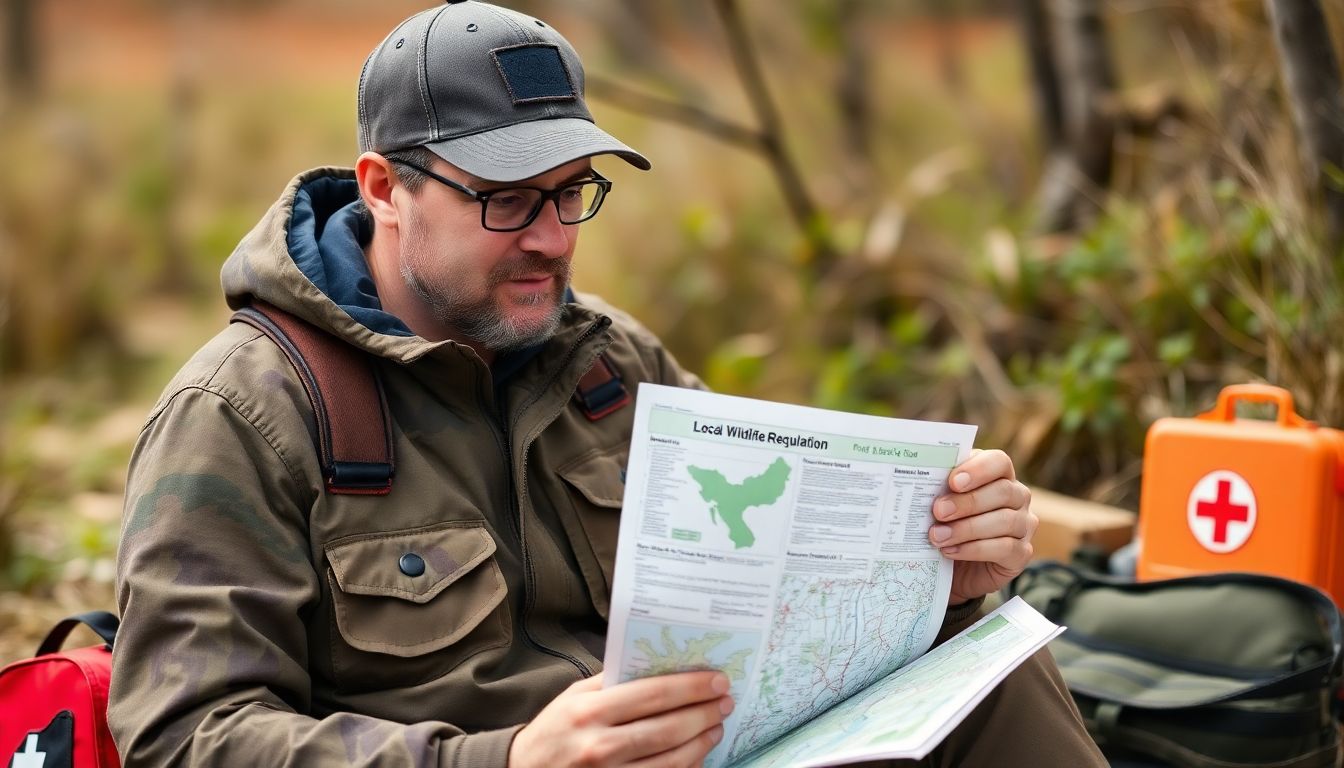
(515, 208)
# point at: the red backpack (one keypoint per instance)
(53, 707)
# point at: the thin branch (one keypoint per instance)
(678, 112)
(801, 206)
(767, 140)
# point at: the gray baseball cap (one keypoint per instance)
(495, 92)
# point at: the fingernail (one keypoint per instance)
(720, 684)
(961, 480)
(944, 508)
(716, 734)
(940, 532)
(726, 705)
(950, 550)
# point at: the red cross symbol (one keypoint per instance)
(1223, 511)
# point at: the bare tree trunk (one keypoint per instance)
(1089, 82)
(853, 91)
(1044, 79)
(1316, 94)
(1074, 182)
(21, 58)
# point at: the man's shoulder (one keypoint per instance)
(242, 366)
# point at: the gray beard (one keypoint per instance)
(483, 321)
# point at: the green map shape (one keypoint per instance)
(731, 500)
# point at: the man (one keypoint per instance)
(460, 619)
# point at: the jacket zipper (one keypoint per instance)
(499, 430)
(517, 490)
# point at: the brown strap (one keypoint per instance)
(601, 391)
(354, 428)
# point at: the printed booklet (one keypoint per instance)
(788, 546)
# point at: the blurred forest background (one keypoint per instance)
(1056, 219)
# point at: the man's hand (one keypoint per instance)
(985, 524)
(667, 721)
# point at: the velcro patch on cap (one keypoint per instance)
(534, 72)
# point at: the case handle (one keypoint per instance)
(1226, 409)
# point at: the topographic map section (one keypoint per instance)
(729, 501)
(832, 637)
(907, 713)
(655, 648)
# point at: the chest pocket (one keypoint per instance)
(430, 595)
(596, 483)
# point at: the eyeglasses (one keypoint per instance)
(515, 208)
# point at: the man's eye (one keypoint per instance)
(571, 194)
(506, 200)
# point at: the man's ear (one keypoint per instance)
(376, 182)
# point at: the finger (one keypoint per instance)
(593, 683)
(663, 732)
(692, 753)
(1006, 552)
(638, 699)
(1010, 523)
(982, 467)
(1001, 493)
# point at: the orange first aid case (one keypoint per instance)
(1221, 493)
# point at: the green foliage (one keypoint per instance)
(28, 570)
(1085, 378)
(1064, 352)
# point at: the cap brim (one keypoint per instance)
(524, 150)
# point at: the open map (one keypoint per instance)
(832, 637)
(788, 547)
(916, 703)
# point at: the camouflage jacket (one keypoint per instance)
(268, 623)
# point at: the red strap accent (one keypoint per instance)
(600, 373)
(601, 391)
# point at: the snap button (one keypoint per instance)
(411, 564)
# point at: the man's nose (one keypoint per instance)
(546, 235)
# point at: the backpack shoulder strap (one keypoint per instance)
(354, 428)
(601, 390)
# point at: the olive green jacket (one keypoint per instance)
(266, 622)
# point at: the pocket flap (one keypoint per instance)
(598, 477)
(372, 564)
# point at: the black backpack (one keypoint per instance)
(1212, 671)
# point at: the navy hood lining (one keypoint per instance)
(326, 238)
